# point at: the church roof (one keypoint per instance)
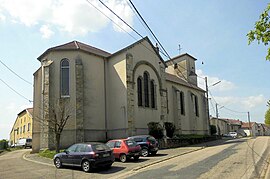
(140, 41)
(175, 79)
(181, 55)
(75, 45)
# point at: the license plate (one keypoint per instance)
(106, 155)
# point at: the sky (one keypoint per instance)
(214, 32)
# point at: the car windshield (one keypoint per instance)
(100, 147)
(130, 143)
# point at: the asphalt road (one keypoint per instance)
(237, 158)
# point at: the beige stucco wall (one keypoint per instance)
(116, 91)
(188, 123)
(36, 111)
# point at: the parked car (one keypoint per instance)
(86, 155)
(124, 149)
(148, 144)
(233, 134)
(24, 143)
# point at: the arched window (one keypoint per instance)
(139, 90)
(64, 77)
(153, 94)
(182, 103)
(146, 89)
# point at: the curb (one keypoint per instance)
(165, 159)
(30, 160)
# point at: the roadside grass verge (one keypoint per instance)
(48, 153)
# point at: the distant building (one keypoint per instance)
(224, 126)
(250, 129)
(221, 125)
(22, 127)
(116, 95)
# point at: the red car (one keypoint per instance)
(124, 149)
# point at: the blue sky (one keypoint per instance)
(212, 31)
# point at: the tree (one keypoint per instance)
(261, 31)
(267, 117)
(60, 112)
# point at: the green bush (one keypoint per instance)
(3, 144)
(155, 130)
(170, 128)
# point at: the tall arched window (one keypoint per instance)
(139, 90)
(153, 94)
(64, 77)
(182, 103)
(146, 89)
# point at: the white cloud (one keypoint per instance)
(46, 32)
(253, 101)
(223, 85)
(74, 17)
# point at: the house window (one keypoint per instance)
(17, 131)
(182, 103)
(146, 89)
(23, 128)
(29, 126)
(153, 93)
(20, 130)
(65, 77)
(139, 90)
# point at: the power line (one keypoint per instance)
(15, 91)
(120, 19)
(118, 25)
(15, 73)
(149, 29)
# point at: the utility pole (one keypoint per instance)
(249, 125)
(217, 110)
(207, 103)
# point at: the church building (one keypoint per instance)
(115, 95)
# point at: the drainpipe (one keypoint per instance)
(105, 96)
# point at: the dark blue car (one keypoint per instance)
(148, 144)
(85, 155)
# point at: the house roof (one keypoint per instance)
(181, 55)
(175, 79)
(246, 124)
(234, 121)
(75, 45)
(140, 41)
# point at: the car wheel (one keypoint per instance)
(123, 158)
(57, 162)
(145, 152)
(154, 153)
(86, 166)
(136, 157)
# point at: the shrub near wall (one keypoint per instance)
(3, 144)
(155, 130)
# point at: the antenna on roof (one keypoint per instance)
(179, 48)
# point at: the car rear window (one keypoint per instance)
(100, 147)
(28, 140)
(138, 139)
(130, 143)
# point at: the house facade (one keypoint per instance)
(222, 125)
(115, 95)
(22, 127)
(250, 129)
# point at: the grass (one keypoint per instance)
(48, 153)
